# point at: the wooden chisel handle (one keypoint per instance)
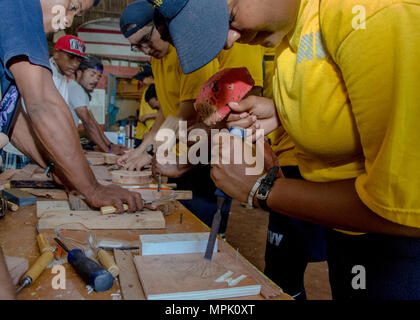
(108, 262)
(111, 209)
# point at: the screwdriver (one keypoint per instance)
(91, 272)
(47, 255)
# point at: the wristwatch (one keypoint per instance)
(265, 187)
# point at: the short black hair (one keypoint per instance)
(150, 93)
(91, 62)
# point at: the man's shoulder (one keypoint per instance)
(74, 86)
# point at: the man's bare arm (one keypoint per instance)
(52, 124)
(7, 291)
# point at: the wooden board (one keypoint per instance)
(132, 177)
(94, 220)
(174, 243)
(77, 202)
(111, 158)
(101, 173)
(129, 280)
(95, 158)
(17, 267)
(43, 207)
(190, 276)
(55, 194)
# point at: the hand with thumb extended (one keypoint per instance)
(254, 113)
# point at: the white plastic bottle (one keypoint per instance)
(121, 136)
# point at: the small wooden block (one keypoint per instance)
(190, 276)
(43, 207)
(94, 220)
(129, 280)
(95, 158)
(17, 267)
(174, 243)
(132, 177)
(55, 194)
(111, 158)
(78, 203)
(19, 197)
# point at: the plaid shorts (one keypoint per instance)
(11, 161)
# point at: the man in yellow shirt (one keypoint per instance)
(346, 92)
(176, 92)
(147, 114)
(291, 243)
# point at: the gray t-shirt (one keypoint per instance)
(78, 98)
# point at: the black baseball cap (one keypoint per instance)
(135, 16)
(96, 2)
(144, 72)
(199, 29)
(91, 62)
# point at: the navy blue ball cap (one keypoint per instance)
(137, 14)
(96, 2)
(199, 29)
(144, 72)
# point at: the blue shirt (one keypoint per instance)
(21, 34)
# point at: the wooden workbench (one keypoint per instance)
(17, 238)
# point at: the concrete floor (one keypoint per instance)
(247, 231)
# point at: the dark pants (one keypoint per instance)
(204, 202)
(291, 244)
(373, 267)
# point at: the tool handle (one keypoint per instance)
(90, 271)
(237, 132)
(43, 243)
(108, 262)
(12, 206)
(40, 264)
(112, 209)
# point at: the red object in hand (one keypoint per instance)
(228, 85)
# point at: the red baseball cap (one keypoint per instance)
(72, 45)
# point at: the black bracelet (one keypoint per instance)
(49, 169)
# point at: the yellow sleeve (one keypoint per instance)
(380, 66)
(190, 84)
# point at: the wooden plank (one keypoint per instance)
(132, 177)
(95, 158)
(129, 280)
(94, 220)
(190, 276)
(174, 243)
(55, 194)
(111, 158)
(269, 290)
(180, 194)
(43, 207)
(39, 184)
(17, 267)
(78, 203)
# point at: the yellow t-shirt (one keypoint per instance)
(352, 106)
(244, 55)
(143, 127)
(173, 86)
(281, 143)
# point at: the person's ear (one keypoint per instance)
(56, 54)
(79, 75)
